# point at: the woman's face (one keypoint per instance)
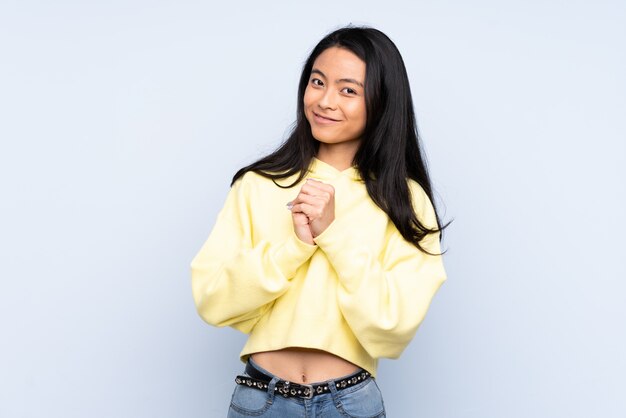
(334, 99)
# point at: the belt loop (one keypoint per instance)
(334, 393)
(332, 387)
(271, 388)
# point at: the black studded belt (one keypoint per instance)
(259, 380)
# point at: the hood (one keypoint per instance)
(324, 171)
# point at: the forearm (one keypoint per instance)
(384, 297)
(229, 283)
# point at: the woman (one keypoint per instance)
(345, 274)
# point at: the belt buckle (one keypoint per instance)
(310, 388)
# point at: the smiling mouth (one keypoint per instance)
(325, 118)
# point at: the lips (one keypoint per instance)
(324, 119)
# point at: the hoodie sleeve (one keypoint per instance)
(234, 282)
(384, 297)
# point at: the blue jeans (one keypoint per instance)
(363, 400)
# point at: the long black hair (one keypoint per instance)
(390, 151)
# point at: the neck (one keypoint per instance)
(339, 156)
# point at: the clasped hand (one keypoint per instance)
(313, 210)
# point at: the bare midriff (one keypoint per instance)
(304, 365)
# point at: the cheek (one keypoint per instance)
(358, 113)
(308, 97)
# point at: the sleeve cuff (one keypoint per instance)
(292, 254)
(344, 251)
(334, 239)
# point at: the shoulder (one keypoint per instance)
(250, 181)
(248, 188)
(261, 190)
(422, 205)
(418, 194)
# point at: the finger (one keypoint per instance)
(309, 210)
(319, 185)
(300, 218)
(316, 191)
(310, 199)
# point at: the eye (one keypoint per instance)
(349, 90)
(317, 82)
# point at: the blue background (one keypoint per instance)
(122, 122)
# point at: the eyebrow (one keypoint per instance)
(342, 80)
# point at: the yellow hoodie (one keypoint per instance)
(360, 293)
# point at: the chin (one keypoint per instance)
(326, 139)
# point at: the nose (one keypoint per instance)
(327, 100)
